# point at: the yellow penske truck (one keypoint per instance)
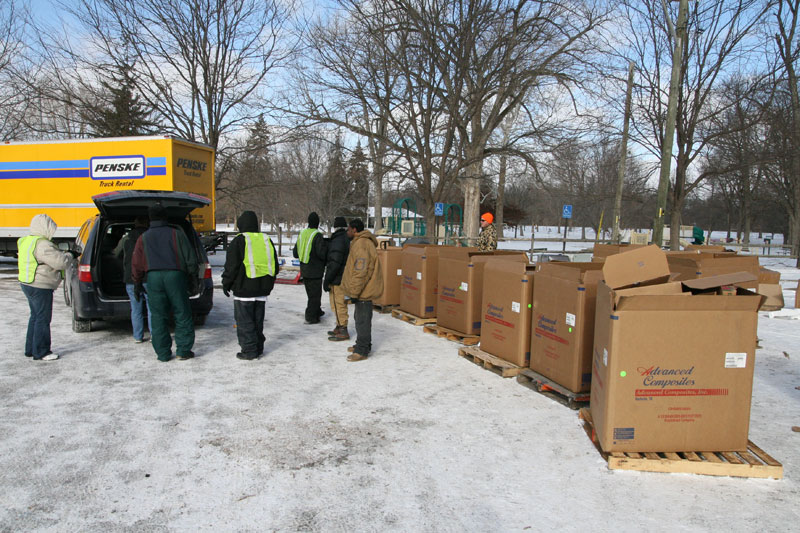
(60, 178)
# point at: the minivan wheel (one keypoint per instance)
(80, 325)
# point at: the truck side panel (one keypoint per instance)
(193, 171)
(60, 178)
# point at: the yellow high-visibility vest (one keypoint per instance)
(259, 255)
(304, 243)
(27, 263)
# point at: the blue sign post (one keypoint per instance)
(566, 213)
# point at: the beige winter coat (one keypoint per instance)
(362, 278)
(51, 261)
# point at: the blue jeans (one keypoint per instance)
(137, 313)
(37, 341)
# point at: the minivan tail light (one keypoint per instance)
(207, 273)
(85, 273)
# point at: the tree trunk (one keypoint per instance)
(472, 200)
(501, 187)
(675, 229)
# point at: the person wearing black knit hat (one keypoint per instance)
(338, 248)
(312, 251)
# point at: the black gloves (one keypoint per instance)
(226, 292)
(138, 290)
(326, 286)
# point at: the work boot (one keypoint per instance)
(356, 357)
(339, 334)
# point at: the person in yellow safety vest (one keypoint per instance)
(41, 269)
(251, 265)
(312, 250)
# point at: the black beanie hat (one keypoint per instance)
(339, 222)
(157, 212)
(313, 220)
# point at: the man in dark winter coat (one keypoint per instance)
(311, 249)
(251, 266)
(338, 247)
(164, 265)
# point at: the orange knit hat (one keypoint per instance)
(488, 217)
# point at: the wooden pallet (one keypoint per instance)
(489, 361)
(755, 462)
(412, 319)
(452, 335)
(384, 308)
(551, 389)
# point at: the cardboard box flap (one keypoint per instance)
(768, 277)
(711, 282)
(460, 253)
(517, 268)
(519, 257)
(698, 302)
(634, 267)
(577, 272)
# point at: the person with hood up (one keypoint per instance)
(41, 268)
(338, 247)
(164, 265)
(251, 265)
(312, 251)
(362, 281)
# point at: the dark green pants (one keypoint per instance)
(166, 291)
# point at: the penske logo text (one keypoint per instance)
(117, 167)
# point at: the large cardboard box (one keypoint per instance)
(562, 329)
(769, 286)
(601, 251)
(701, 265)
(672, 365)
(461, 286)
(419, 288)
(506, 307)
(390, 260)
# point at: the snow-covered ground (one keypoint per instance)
(413, 439)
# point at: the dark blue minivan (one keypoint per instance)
(95, 287)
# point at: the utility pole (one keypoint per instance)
(622, 156)
(679, 36)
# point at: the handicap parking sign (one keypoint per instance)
(438, 209)
(566, 211)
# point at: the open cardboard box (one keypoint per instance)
(672, 365)
(701, 265)
(461, 286)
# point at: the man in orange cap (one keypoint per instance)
(487, 240)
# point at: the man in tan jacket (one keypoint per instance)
(362, 281)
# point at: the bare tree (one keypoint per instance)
(786, 18)
(721, 42)
(202, 66)
(13, 101)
